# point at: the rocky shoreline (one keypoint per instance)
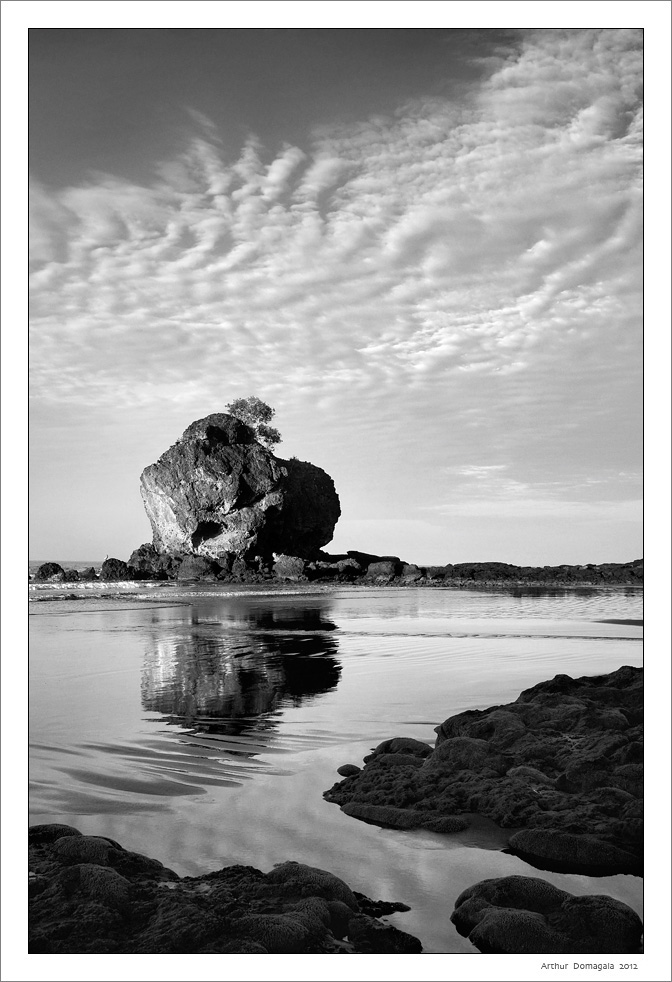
(562, 766)
(353, 568)
(89, 895)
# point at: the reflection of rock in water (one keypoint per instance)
(219, 682)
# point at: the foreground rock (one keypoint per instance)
(562, 765)
(523, 915)
(220, 494)
(88, 895)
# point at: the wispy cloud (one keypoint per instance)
(488, 490)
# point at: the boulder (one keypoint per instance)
(313, 881)
(347, 770)
(587, 854)
(115, 569)
(218, 491)
(148, 564)
(383, 571)
(50, 573)
(88, 574)
(525, 915)
(40, 834)
(198, 568)
(289, 568)
(401, 745)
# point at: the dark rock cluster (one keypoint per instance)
(89, 895)
(526, 915)
(147, 563)
(562, 766)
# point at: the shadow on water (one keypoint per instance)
(569, 591)
(228, 672)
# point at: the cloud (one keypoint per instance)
(487, 490)
(205, 123)
(467, 269)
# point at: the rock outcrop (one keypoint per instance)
(148, 564)
(50, 573)
(562, 765)
(368, 570)
(524, 915)
(89, 895)
(218, 493)
(115, 569)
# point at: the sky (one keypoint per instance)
(422, 247)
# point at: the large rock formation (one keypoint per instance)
(562, 765)
(217, 492)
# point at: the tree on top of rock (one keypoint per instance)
(257, 415)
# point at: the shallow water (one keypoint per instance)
(201, 726)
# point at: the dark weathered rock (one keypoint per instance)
(525, 915)
(562, 764)
(198, 568)
(38, 834)
(148, 564)
(71, 576)
(289, 568)
(373, 936)
(553, 849)
(88, 574)
(383, 571)
(217, 491)
(401, 745)
(88, 895)
(347, 770)
(50, 573)
(404, 818)
(115, 569)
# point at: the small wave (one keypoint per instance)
(74, 585)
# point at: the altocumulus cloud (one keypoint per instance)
(474, 262)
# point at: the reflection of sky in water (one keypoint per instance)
(206, 734)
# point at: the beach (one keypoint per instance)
(201, 724)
